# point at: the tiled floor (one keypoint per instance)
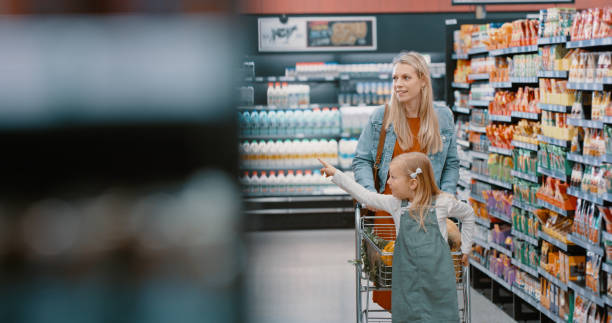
(305, 276)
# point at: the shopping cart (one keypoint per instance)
(373, 269)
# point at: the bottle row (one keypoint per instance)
(281, 183)
(297, 154)
(348, 121)
(290, 122)
(284, 95)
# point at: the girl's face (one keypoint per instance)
(406, 83)
(402, 186)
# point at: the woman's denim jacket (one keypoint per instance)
(445, 163)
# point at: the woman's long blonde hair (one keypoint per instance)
(426, 182)
(429, 133)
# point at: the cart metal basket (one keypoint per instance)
(373, 269)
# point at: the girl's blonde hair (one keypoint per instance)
(426, 182)
(429, 133)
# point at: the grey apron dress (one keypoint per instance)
(424, 286)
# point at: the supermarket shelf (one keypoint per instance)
(524, 206)
(501, 249)
(553, 74)
(589, 160)
(525, 268)
(550, 314)
(552, 173)
(479, 103)
(480, 242)
(478, 198)
(462, 110)
(606, 236)
(607, 80)
(608, 197)
(559, 244)
(303, 211)
(478, 77)
(295, 136)
(500, 216)
(525, 115)
(480, 155)
(284, 108)
(607, 119)
(585, 123)
(459, 56)
(501, 85)
(525, 237)
(478, 50)
(586, 293)
(458, 85)
(554, 208)
(465, 164)
(606, 267)
(477, 129)
(330, 190)
(301, 78)
(528, 177)
(482, 221)
(291, 199)
(553, 141)
(464, 143)
(463, 183)
(607, 300)
(555, 107)
(524, 145)
(365, 76)
(585, 86)
(585, 244)
(607, 158)
(514, 50)
(490, 180)
(585, 195)
(589, 43)
(530, 300)
(494, 117)
(490, 274)
(501, 151)
(552, 40)
(525, 80)
(552, 279)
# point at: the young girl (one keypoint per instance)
(424, 287)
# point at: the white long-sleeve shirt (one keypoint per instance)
(446, 206)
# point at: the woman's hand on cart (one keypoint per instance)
(327, 169)
(464, 260)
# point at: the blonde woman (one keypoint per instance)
(409, 122)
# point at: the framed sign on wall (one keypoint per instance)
(355, 33)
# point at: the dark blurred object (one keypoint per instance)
(119, 200)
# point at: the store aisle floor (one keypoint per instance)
(305, 276)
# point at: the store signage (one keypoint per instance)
(355, 33)
(481, 2)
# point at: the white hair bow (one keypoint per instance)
(416, 172)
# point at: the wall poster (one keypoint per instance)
(353, 33)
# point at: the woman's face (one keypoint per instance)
(406, 83)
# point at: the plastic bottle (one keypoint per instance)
(274, 123)
(298, 122)
(284, 95)
(270, 93)
(264, 123)
(282, 182)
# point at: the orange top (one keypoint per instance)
(415, 126)
(383, 298)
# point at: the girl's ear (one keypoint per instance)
(413, 185)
